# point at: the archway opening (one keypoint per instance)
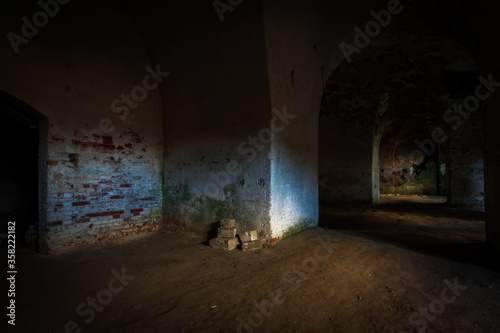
(393, 111)
(407, 174)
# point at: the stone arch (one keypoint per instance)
(408, 77)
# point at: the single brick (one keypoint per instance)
(224, 243)
(81, 203)
(226, 232)
(53, 224)
(249, 236)
(252, 246)
(227, 223)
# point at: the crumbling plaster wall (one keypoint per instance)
(301, 44)
(103, 167)
(260, 64)
(215, 102)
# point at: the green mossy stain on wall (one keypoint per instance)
(302, 225)
(197, 212)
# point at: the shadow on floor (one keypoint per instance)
(428, 228)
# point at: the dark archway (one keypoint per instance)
(383, 108)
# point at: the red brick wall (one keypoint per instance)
(103, 189)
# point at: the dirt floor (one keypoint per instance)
(401, 267)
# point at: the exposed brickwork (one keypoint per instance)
(101, 190)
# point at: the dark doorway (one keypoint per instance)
(20, 175)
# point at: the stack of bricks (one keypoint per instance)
(226, 236)
(250, 241)
(227, 240)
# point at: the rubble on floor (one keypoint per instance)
(226, 237)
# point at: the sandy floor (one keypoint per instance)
(363, 270)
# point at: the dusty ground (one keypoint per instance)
(385, 264)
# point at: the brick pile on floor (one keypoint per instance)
(226, 237)
(250, 241)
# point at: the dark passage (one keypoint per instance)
(18, 180)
